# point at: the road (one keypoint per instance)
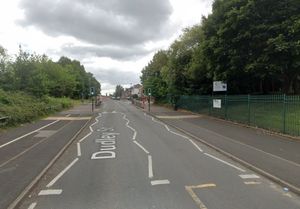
(125, 159)
(26, 151)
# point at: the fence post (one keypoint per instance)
(284, 114)
(226, 106)
(210, 104)
(249, 114)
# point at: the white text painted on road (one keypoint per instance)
(107, 143)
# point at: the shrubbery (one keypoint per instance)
(22, 108)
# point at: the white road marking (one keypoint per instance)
(143, 148)
(183, 136)
(150, 169)
(196, 145)
(21, 137)
(32, 205)
(252, 182)
(83, 138)
(160, 182)
(249, 176)
(128, 126)
(249, 146)
(78, 149)
(62, 173)
(229, 164)
(50, 192)
(68, 115)
(91, 129)
(168, 129)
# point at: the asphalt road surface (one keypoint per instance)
(27, 150)
(125, 159)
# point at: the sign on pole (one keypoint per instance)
(217, 103)
(149, 91)
(219, 86)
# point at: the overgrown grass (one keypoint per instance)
(23, 108)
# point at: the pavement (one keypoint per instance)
(127, 159)
(274, 156)
(27, 151)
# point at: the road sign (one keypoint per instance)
(219, 86)
(149, 91)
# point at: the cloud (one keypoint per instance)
(113, 77)
(114, 52)
(101, 22)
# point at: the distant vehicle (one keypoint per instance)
(118, 98)
(113, 98)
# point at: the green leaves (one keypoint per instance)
(254, 45)
(39, 76)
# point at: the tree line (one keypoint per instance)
(38, 75)
(253, 45)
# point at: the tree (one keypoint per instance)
(119, 91)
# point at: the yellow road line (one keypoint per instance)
(196, 199)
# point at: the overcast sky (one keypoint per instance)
(114, 39)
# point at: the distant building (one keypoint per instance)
(137, 89)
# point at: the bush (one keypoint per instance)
(24, 108)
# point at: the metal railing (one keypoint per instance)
(280, 113)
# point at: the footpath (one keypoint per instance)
(274, 156)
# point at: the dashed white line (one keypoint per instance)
(78, 149)
(196, 145)
(62, 173)
(249, 176)
(229, 164)
(32, 205)
(50, 192)
(252, 182)
(160, 182)
(21, 137)
(150, 169)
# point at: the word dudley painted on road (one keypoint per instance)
(107, 142)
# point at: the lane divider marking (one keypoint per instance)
(227, 163)
(50, 192)
(150, 168)
(21, 137)
(83, 138)
(196, 145)
(51, 183)
(78, 150)
(249, 176)
(143, 148)
(32, 205)
(196, 199)
(160, 182)
(173, 132)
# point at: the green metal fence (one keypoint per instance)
(279, 113)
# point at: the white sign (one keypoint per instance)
(219, 86)
(217, 103)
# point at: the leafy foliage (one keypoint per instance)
(40, 76)
(253, 45)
